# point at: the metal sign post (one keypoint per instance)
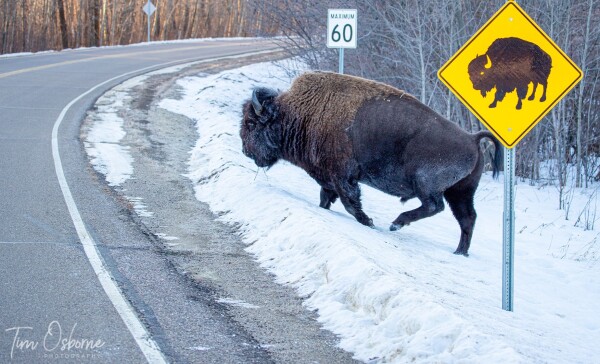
(508, 233)
(341, 31)
(149, 9)
(510, 30)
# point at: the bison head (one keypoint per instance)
(480, 73)
(261, 129)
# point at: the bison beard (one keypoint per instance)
(343, 130)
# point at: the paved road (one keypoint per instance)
(53, 305)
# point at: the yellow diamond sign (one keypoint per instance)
(510, 74)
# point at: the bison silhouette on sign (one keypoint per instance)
(511, 64)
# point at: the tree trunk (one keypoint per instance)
(62, 24)
(103, 29)
(24, 32)
(96, 22)
(580, 95)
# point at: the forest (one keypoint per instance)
(400, 42)
(35, 25)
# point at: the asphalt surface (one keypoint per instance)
(208, 253)
(52, 305)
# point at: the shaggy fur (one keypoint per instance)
(324, 118)
(511, 64)
(343, 130)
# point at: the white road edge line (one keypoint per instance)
(147, 345)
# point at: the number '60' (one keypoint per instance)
(346, 33)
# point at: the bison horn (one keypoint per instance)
(258, 108)
(489, 62)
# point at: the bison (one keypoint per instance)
(509, 64)
(343, 130)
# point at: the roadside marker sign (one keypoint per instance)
(149, 8)
(510, 74)
(341, 28)
(341, 31)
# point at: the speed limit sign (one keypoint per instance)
(341, 28)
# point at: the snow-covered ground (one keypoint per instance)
(102, 141)
(401, 296)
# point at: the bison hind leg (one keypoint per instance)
(461, 204)
(543, 98)
(405, 199)
(430, 206)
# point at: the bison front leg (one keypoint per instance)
(430, 206)
(349, 193)
(328, 197)
(532, 96)
(499, 96)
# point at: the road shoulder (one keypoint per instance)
(206, 254)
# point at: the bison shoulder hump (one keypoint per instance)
(335, 97)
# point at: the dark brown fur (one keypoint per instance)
(511, 64)
(343, 130)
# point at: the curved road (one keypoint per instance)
(60, 239)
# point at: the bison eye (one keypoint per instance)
(251, 125)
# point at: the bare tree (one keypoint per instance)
(401, 42)
(63, 24)
(405, 42)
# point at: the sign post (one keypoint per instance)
(149, 9)
(508, 232)
(525, 74)
(341, 31)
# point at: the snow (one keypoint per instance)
(102, 143)
(200, 348)
(237, 303)
(400, 296)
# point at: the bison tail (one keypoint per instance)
(498, 151)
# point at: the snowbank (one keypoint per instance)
(402, 296)
(390, 296)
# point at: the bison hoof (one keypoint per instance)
(395, 227)
(366, 221)
(459, 252)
